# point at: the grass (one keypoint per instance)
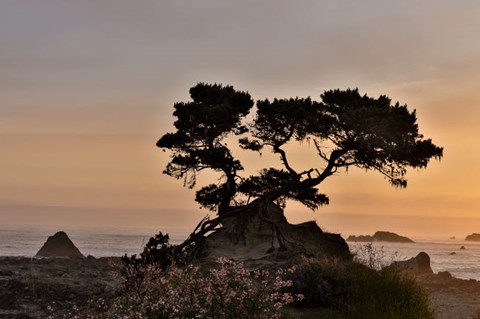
(351, 290)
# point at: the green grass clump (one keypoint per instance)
(339, 289)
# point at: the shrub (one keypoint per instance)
(227, 291)
(374, 258)
(352, 290)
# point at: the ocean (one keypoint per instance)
(98, 242)
(445, 255)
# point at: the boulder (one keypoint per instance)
(59, 245)
(444, 275)
(261, 235)
(419, 265)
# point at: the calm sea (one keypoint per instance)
(98, 242)
(445, 255)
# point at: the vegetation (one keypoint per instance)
(328, 288)
(346, 129)
(334, 289)
(227, 290)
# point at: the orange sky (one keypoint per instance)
(88, 87)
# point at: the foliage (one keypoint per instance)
(334, 289)
(228, 290)
(372, 257)
(202, 126)
(346, 128)
(157, 251)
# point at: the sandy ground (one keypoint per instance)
(452, 298)
(29, 286)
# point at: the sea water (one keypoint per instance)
(98, 242)
(445, 255)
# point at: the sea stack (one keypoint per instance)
(59, 245)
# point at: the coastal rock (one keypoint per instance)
(59, 245)
(361, 238)
(381, 236)
(473, 237)
(391, 237)
(418, 265)
(256, 236)
(444, 275)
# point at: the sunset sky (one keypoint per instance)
(87, 88)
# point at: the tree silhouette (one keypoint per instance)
(202, 126)
(346, 128)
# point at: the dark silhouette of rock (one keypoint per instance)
(256, 237)
(59, 245)
(453, 253)
(473, 237)
(418, 265)
(462, 248)
(444, 275)
(381, 236)
(360, 238)
(391, 237)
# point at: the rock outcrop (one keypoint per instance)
(59, 245)
(381, 236)
(391, 237)
(361, 238)
(473, 237)
(256, 236)
(419, 265)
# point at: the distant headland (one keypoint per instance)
(380, 236)
(473, 237)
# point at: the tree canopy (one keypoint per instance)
(347, 129)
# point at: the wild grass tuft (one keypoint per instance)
(338, 289)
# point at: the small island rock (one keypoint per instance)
(380, 236)
(473, 237)
(59, 245)
(360, 238)
(391, 237)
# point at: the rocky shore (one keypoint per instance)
(28, 287)
(34, 288)
(450, 297)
